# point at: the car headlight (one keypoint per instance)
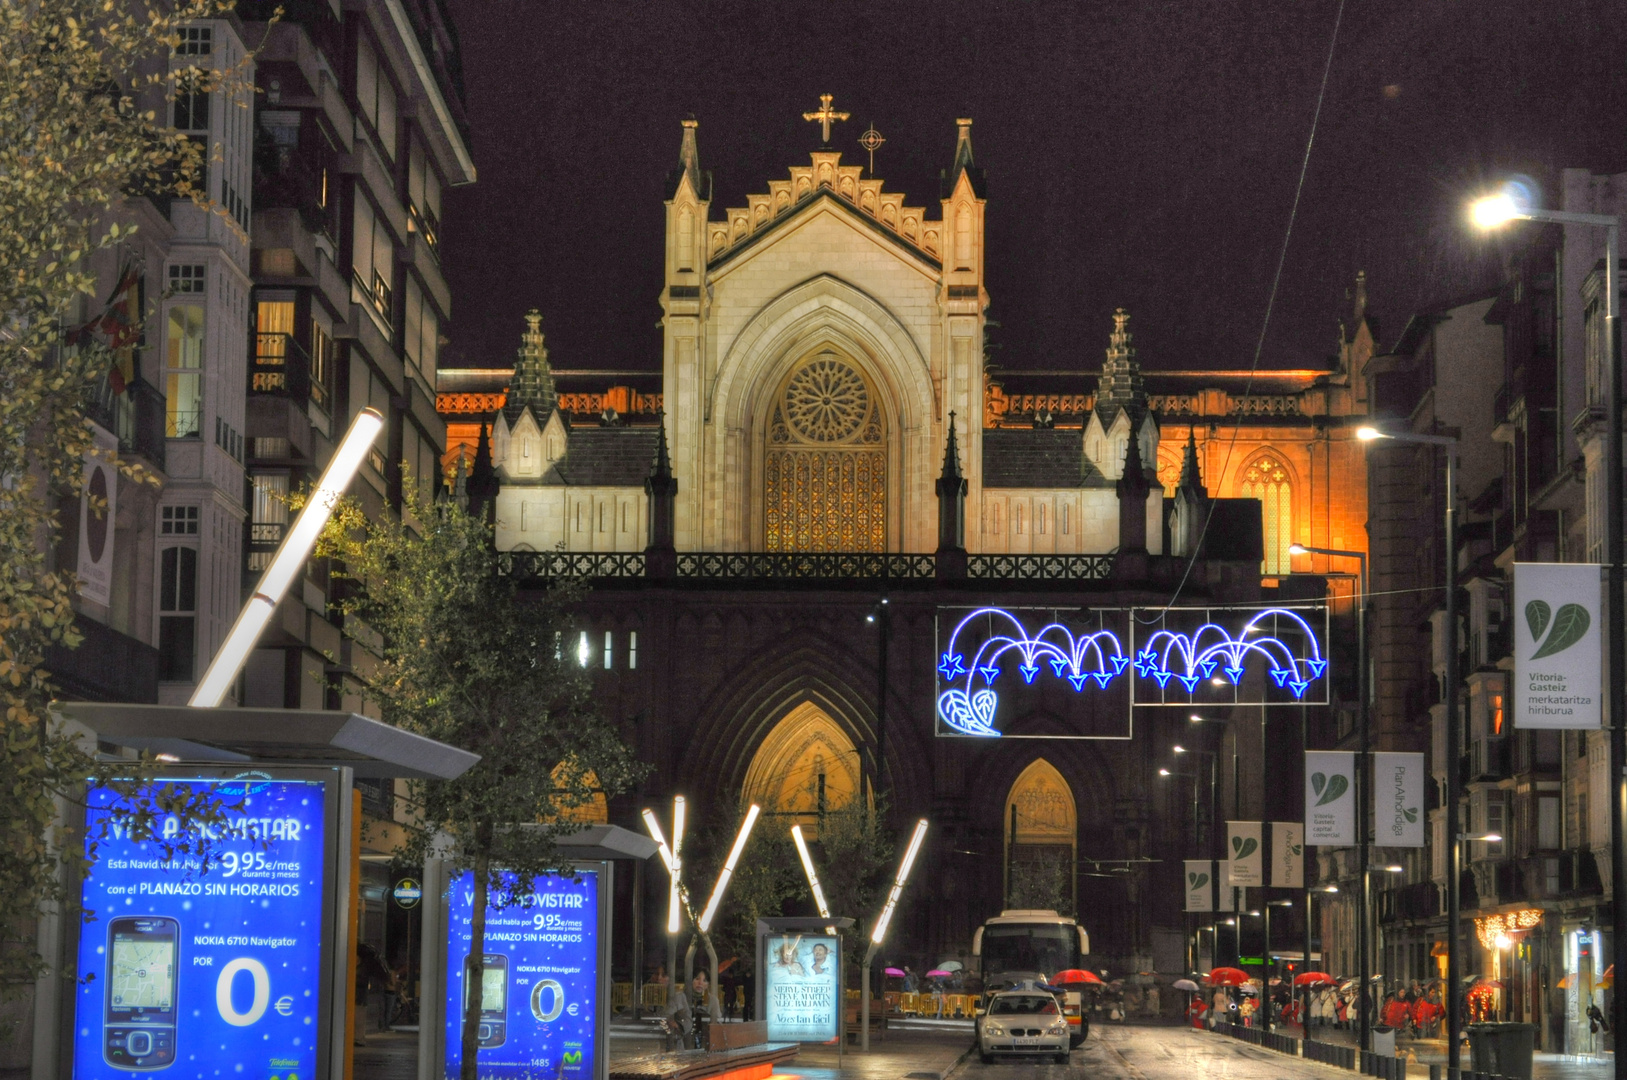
(993, 1029)
(1059, 1028)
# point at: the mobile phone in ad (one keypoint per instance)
(138, 1028)
(493, 1000)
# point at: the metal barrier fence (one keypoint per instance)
(1271, 1040)
(1343, 1057)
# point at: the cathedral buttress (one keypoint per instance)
(965, 301)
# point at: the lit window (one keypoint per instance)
(1497, 714)
(1267, 480)
(183, 377)
(632, 650)
(609, 650)
(582, 649)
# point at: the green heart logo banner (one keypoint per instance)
(1287, 855)
(1557, 681)
(1398, 792)
(1200, 892)
(1245, 839)
(1330, 803)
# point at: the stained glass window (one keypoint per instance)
(825, 466)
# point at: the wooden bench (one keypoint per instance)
(878, 1021)
(734, 1052)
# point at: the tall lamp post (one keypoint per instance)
(1490, 213)
(1364, 900)
(1454, 739)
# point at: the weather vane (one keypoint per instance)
(871, 140)
(823, 116)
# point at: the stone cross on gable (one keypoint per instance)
(824, 115)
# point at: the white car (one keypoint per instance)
(1026, 1022)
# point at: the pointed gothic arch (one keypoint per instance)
(1267, 477)
(806, 766)
(1041, 839)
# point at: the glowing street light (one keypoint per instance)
(291, 554)
(728, 867)
(880, 931)
(672, 859)
(808, 868)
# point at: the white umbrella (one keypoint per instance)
(1187, 984)
(951, 965)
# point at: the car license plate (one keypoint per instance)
(1026, 1041)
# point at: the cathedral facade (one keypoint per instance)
(777, 519)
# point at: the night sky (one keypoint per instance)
(1138, 154)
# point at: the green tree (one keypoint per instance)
(462, 658)
(855, 861)
(77, 136)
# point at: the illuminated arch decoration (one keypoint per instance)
(1189, 656)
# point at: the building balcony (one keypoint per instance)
(136, 418)
(281, 366)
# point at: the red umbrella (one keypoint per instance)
(1228, 976)
(1314, 978)
(1075, 977)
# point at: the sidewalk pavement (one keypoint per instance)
(910, 1050)
(1428, 1052)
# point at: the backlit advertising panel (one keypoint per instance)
(217, 972)
(802, 992)
(540, 981)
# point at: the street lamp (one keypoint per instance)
(291, 554)
(672, 859)
(1454, 735)
(879, 933)
(1492, 212)
(1364, 740)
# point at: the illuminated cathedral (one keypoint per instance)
(776, 517)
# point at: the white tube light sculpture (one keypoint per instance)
(728, 867)
(291, 554)
(808, 868)
(898, 882)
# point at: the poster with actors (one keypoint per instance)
(802, 986)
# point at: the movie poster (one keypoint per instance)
(802, 987)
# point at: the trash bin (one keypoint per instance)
(1502, 1049)
(1384, 1041)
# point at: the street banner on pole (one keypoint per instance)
(1330, 797)
(1287, 855)
(1558, 647)
(1224, 891)
(1200, 885)
(1398, 799)
(1243, 842)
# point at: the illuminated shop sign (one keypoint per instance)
(539, 981)
(990, 659)
(208, 973)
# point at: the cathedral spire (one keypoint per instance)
(482, 485)
(963, 162)
(951, 490)
(1121, 385)
(533, 384)
(1191, 478)
(689, 155)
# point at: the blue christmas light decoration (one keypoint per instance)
(1095, 658)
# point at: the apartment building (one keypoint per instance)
(1517, 375)
(161, 587)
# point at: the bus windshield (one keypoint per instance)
(1043, 948)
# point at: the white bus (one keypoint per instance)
(1025, 944)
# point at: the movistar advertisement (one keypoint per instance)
(539, 981)
(213, 972)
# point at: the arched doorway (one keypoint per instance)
(825, 460)
(1042, 830)
(805, 768)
